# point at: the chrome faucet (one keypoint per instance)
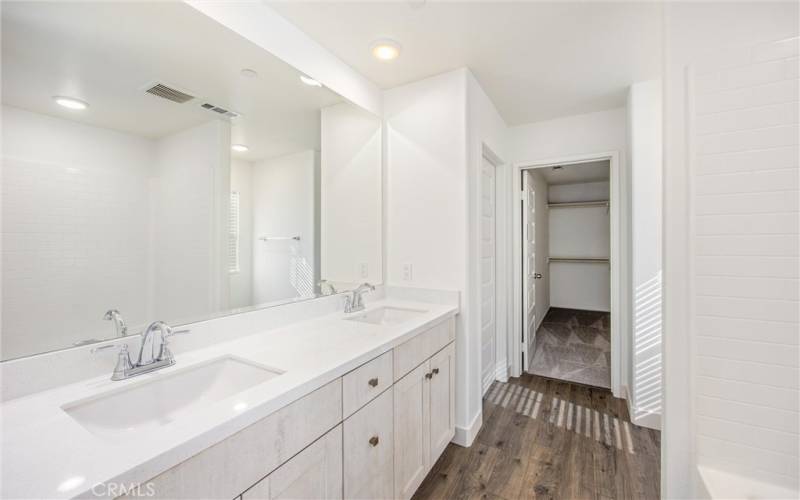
(327, 288)
(119, 323)
(154, 352)
(355, 302)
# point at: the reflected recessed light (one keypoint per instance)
(69, 102)
(71, 483)
(249, 73)
(240, 148)
(386, 50)
(240, 406)
(310, 81)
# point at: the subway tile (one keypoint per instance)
(744, 287)
(756, 373)
(746, 350)
(748, 203)
(785, 113)
(745, 140)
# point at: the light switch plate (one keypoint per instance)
(407, 271)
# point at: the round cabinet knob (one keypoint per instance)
(429, 375)
(537, 276)
(436, 371)
(373, 382)
(373, 441)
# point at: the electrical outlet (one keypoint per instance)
(363, 270)
(407, 272)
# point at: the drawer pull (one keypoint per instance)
(373, 441)
(429, 375)
(435, 371)
(373, 382)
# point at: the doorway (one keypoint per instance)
(566, 271)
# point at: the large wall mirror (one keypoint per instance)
(156, 165)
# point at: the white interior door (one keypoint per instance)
(528, 268)
(488, 281)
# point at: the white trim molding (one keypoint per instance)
(465, 436)
(620, 288)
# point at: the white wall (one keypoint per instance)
(285, 204)
(579, 232)
(645, 143)
(758, 267)
(351, 195)
(189, 220)
(74, 230)
(435, 129)
(241, 283)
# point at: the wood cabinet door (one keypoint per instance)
(369, 450)
(313, 474)
(411, 431)
(442, 405)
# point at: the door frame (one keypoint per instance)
(618, 238)
(502, 265)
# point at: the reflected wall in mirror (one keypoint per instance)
(157, 164)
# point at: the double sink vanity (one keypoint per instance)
(355, 405)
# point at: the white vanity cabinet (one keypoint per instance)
(369, 450)
(373, 433)
(313, 474)
(424, 419)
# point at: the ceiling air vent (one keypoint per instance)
(169, 93)
(219, 110)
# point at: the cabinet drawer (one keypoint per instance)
(226, 469)
(313, 474)
(415, 351)
(369, 450)
(363, 384)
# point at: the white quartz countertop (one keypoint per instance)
(47, 454)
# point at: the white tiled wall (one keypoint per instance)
(746, 262)
(94, 219)
(74, 230)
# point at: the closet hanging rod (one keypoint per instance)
(581, 260)
(279, 238)
(579, 204)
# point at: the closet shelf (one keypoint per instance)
(578, 204)
(587, 260)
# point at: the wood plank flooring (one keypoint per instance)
(544, 438)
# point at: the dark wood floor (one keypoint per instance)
(544, 438)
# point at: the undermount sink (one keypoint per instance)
(168, 397)
(387, 315)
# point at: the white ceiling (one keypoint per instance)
(536, 60)
(591, 171)
(106, 53)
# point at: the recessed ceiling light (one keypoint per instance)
(69, 102)
(386, 50)
(249, 73)
(310, 81)
(240, 148)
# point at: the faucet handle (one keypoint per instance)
(172, 332)
(166, 354)
(124, 364)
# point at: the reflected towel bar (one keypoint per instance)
(279, 238)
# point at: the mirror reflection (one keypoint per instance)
(175, 176)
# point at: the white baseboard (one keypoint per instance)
(642, 418)
(466, 435)
(488, 378)
(539, 321)
(501, 371)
